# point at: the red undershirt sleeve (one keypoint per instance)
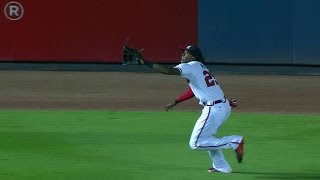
(186, 95)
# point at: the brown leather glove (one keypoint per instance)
(131, 56)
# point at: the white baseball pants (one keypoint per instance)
(203, 135)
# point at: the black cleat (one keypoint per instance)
(213, 170)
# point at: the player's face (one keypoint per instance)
(186, 57)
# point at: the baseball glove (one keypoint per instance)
(131, 56)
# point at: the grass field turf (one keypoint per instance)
(151, 145)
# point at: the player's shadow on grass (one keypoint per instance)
(286, 175)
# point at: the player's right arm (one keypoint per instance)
(161, 68)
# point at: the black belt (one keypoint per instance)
(215, 102)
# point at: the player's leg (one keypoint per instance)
(219, 163)
(203, 134)
(201, 123)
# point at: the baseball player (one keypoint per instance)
(216, 108)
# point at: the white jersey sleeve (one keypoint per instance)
(185, 69)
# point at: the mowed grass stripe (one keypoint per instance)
(151, 145)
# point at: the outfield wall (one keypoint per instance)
(260, 31)
(228, 31)
(95, 31)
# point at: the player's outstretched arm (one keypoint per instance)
(133, 56)
(161, 68)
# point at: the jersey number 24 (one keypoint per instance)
(209, 78)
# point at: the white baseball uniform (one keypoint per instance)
(216, 110)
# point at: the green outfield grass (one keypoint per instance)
(151, 145)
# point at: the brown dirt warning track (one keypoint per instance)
(149, 91)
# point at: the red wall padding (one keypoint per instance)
(95, 31)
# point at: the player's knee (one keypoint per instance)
(193, 145)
